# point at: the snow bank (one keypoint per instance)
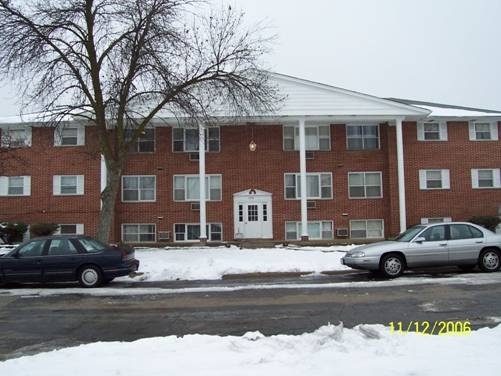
(331, 350)
(213, 263)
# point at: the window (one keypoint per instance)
(32, 249)
(317, 230)
(69, 135)
(184, 232)
(145, 143)
(434, 234)
(432, 131)
(317, 137)
(138, 233)
(16, 137)
(187, 187)
(365, 185)
(485, 178)
(186, 139)
(426, 221)
(483, 131)
(318, 186)
(15, 185)
(139, 188)
(434, 179)
(92, 245)
(66, 229)
(68, 185)
(60, 247)
(362, 137)
(461, 231)
(367, 229)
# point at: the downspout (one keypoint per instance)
(201, 174)
(401, 176)
(303, 180)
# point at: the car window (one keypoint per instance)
(463, 231)
(61, 247)
(92, 245)
(409, 234)
(434, 234)
(31, 249)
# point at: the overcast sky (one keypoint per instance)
(445, 51)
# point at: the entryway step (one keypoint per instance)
(257, 243)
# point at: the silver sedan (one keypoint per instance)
(461, 244)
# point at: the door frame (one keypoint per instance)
(249, 197)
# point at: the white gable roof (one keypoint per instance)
(307, 98)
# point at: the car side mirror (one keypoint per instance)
(420, 240)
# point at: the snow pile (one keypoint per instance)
(213, 263)
(331, 350)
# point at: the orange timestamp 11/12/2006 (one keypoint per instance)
(445, 327)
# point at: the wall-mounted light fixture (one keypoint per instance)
(252, 144)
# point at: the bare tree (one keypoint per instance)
(119, 63)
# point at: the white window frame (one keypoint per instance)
(57, 185)
(297, 189)
(424, 178)
(184, 233)
(442, 131)
(475, 178)
(493, 130)
(5, 182)
(17, 142)
(79, 229)
(426, 221)
(367, 222)
(320, 141)
(363, 137)
(365, 186)
(59, 135)
(322, 234)
(180, 182)
(139, 227)
(212, 140)
(139, 177)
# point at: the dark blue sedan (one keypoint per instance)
(65, 258)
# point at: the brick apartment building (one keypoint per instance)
(371, 166)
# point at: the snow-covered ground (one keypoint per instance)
(196, 263)
(330, 350)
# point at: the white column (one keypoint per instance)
(401, 176)
(302, 177)
(201, 173)
(104, 176)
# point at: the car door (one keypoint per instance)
(25, 265)
(465, 243)
(429, 248)
(61, 261)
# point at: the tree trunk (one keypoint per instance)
(108, 200)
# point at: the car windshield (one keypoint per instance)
(409, 234)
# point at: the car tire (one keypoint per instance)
(489, 260)
(392, 265)
(89, 276)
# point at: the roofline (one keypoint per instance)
(440, 105)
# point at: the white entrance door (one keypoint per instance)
(253, 215)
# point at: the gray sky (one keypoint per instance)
(444, 51)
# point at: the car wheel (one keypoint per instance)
(89, 276)
(392, 265)
(490, 260)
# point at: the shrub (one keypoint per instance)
(43, 229)
(12, 232)
(490, 222)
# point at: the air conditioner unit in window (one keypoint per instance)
(342, 232)
(194, 157)
(163, 236)
(310, 155)
(311, 204)
(195, 206)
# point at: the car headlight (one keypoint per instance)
(356, 254)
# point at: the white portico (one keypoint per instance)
(308, 103)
